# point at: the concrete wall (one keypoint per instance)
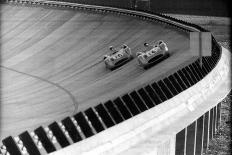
(182, 125)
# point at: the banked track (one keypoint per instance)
(188, 72)
(45, 50)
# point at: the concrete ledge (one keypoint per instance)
(165, 139)
(162, 122)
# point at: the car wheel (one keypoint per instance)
(140, 63)
(145, 67)
(167, 55)
(107, 66)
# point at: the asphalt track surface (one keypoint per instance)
(52, 62)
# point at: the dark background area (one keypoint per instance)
(190, 7)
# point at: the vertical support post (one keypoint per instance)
(203, 132)
(185, 140)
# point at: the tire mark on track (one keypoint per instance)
(71, 96)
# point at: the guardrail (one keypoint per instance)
(94, 120)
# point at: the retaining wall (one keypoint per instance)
(183, 123)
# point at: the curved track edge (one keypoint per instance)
(163, 123)
(188, 103)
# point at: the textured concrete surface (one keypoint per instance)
(52, 63)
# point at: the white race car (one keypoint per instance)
(117, 58)
(153, 54)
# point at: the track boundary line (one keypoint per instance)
(71, 96)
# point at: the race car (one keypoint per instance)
(117, 57)
(153, 54)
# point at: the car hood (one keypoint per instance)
(117, 55)
(151, 52)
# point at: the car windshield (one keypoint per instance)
(113, 51)
(121, 50)
(148, 49)
(117, 50)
